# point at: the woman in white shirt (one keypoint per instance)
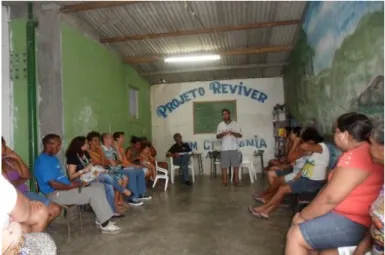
(310, 179)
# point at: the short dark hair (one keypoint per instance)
(91, 135)
(134, 139)
(358, 125)
(378, 132)
(117, 135)
(226, 110)
(311, 134)
(176, 135)
(296, 131)
(75, 147)
(288, 129)
(49, 138)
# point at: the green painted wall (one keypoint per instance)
(95, 89)
(18, 48)
(337, 65)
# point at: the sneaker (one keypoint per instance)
(118, 215)
(110, 229)
(145, 197)
(135, 202)
(188, 183)
(98, 223)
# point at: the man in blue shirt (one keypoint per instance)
(58, 188)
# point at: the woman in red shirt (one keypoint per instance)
(339, 215)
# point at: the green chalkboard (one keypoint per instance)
(207, 115)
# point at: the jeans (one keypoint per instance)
(136, 181)
(182, 161)
(109, 185)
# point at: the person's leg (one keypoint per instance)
(95, 195)
(271, 176)
(184, 161)
(329, 252)
(225, 164)
(274, 201)
(141, 183)
(271, 189)
(106, 178)
(328, 231)
(235, 162)
(38, 218)
(110, 196)
(54, 210)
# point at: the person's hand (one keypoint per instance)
(297, 219)
(76, 184)
(304, 146)
(274, 168)
(176, 155)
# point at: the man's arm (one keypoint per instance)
(220, 132)
(311, 147)
(365, 245)
(60, 186)
(170, 152)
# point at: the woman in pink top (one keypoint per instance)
(339, 215)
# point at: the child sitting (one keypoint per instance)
(147, 160)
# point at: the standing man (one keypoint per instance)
(180, 153)
(229, 130)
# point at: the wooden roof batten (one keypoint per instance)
(199, 31)
(94, 5)
(239, 51)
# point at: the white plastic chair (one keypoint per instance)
(173, 168)
(161, 173)
(247, 162)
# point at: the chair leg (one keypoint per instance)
(68, 222)
(250, 174)
(193, 174)
(81, 219)
(172, 175)
(166, 183)
(156, 179)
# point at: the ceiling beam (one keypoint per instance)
(199, 31)
(212, 68)
(93, 5)
(241, 51)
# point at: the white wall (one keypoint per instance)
(254, 117)
(6, 86)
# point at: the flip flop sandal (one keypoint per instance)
(255, 214)
(259, 199)
(264, 216)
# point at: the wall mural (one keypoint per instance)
(216, 88)
(338, 63)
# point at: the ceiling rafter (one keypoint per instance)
(94, 5)
(240, 51)
(213, 68)
(199, 31)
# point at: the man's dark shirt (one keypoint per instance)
(176, 148)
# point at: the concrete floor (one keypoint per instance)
(203, 219)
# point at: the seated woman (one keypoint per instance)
(16, 210)
(339, 215)
(79, 163)
(281, 180)
(17, 173)
(132, 152)
(373, 243)
(147, 160)
(310, 179)
(136, 178)
(293, 154)
(161, 164)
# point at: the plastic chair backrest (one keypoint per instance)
(247, 152)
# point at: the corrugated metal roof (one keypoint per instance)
(170, 16)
